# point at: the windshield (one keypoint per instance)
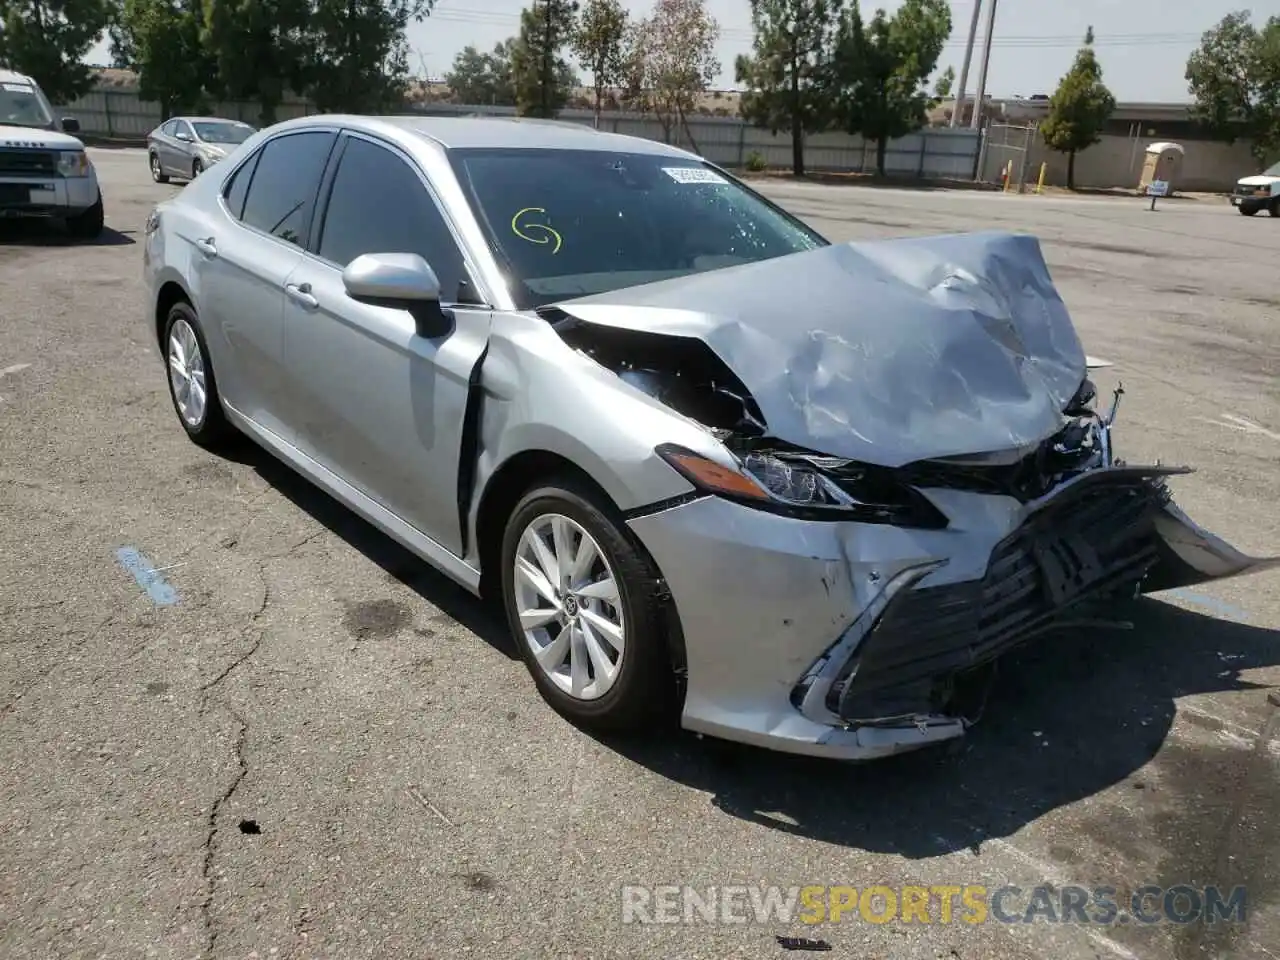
(568, 223)
(223, 132)
(20, 107)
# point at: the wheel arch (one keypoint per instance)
(515, 477)
(171, 291)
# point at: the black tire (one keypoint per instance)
(1274, 208)
(643, 697)
(153, 161)
(88, 224)
(1247, 211)
(197, 168)
(213, 430)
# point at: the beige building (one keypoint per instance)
(1207, 165)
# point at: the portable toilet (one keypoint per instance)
(1163, 163)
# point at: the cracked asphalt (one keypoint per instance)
(325, 750)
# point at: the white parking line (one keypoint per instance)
(1233, 422)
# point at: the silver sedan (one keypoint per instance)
(184, 147)
(714, 467)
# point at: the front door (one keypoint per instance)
(376, 403)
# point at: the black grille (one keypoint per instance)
(1093, 540)
(28, 163)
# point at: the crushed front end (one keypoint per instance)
(877, 634)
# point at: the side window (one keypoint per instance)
(170, 128)
(285, 182)
(379, 205)
(238, 186)
(184, 127)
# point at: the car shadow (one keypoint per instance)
(42, 233)
(1066, 719)
(483, 619)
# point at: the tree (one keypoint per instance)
(48, 40)
(599, 42)
(787, 78)
(672, 60)
(258, 48)
(1234, 77)
(160, 40)
(483, 78)
(1078, 109)
(945, 82)
(880, 70)
(357, 58)
(542, 78)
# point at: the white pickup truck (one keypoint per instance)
(1258, 193)
(44, 170)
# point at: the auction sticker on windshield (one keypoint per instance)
(693, 175)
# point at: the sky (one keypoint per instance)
(1143, 45)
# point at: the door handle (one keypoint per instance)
(207, 247)
(301, 292)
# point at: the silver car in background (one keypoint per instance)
(799, 494)
(184, 147)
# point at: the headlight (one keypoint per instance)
(213, 154)
(809, 486)
(73, 163)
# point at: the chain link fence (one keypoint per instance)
(1004, 156)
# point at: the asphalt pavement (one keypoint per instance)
(298, 741)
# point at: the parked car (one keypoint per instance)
(798, 493)
(45, 172)
(1260, 192)
(185, 147)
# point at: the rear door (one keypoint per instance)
(257, 241)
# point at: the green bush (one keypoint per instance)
(756, 162)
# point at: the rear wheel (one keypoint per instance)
(158, 175)
(582, 603)
(1274, 209)
(192, 386)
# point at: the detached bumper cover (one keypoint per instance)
(845, 640)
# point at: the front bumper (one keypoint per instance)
(41, 198)
(852, 641)
(1253, 202)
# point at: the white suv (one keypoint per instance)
(44, 172)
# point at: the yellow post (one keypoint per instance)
(1040, 183)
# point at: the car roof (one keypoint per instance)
(464, 133)
(207, 120)
(9, 76)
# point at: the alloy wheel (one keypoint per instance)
(187, 373)
(570, 612)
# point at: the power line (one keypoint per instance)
(495, 18)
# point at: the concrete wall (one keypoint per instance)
(933, 152)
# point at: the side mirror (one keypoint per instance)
(402, 281)
(183, 136)
(70, 125)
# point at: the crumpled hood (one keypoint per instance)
(33, 137)
(886, 351)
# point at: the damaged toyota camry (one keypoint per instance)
(796, 493)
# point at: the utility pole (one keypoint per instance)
(958, 107)
(546, 61)
(980, 96)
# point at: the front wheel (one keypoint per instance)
(1247, 211)
(157, 174)
(582, 603)
(197, 168)
(88, 224)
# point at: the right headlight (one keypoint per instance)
(809, 486)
